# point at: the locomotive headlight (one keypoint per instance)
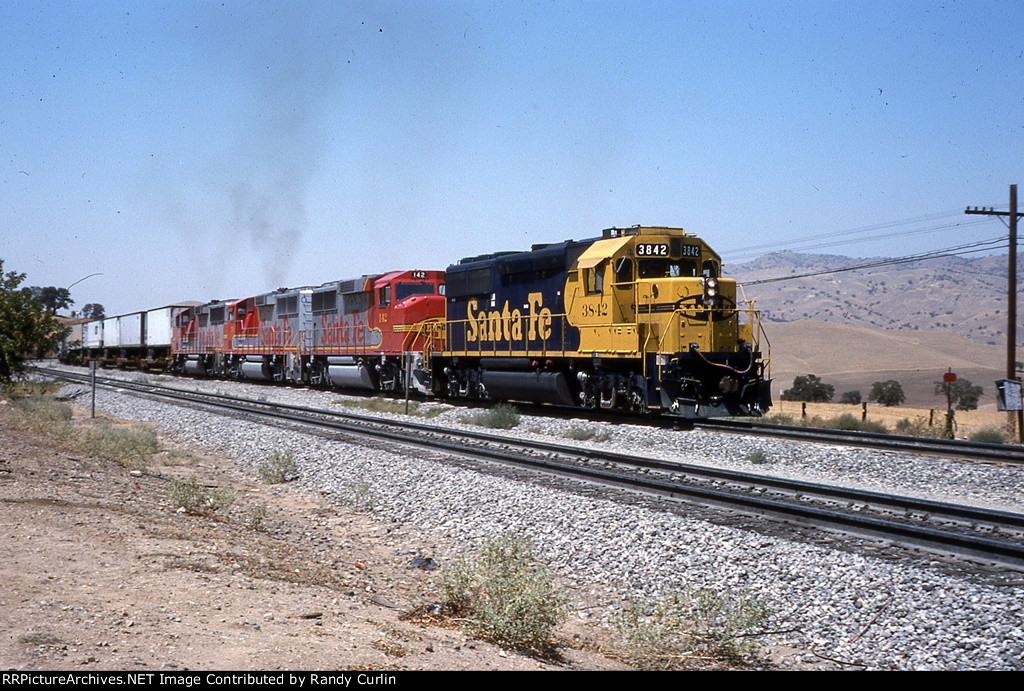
(710, 289)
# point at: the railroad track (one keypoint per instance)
(987, 535)
(957, 448)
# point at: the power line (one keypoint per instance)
(960, 250)
(846, 236)
(792, 245)
(862, 229)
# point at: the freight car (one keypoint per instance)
(639, 320)
(138, 340)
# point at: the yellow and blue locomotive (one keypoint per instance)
(638, 320)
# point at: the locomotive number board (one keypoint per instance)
(660, 249)
(652, 249)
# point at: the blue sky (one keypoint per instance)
(200, 150)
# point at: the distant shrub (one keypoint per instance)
(359, 496)
(383, 405)
(757, 456)
(917, 427)
(256, 517)
(850, 422)
(809, 388)
(962, 393)
(131, 446)
(277, 468)
(990, 436)
(887, 393)
(45, 415)
(580, 433)
(850, 397)
(198, 499)
(500, 416)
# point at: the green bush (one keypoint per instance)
(990, 436)
(277, 468)
(918, 427)
(396, 407)
(500, 416)
(666, 633)
(757, 456)
(579, 433)
(130, 446)
(45, 415)
(846, 421)
(256, 516)
(198, 499)
(359, 496)
(505, 595)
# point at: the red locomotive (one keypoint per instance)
(351, 333)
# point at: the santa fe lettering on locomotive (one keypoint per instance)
(507, 325)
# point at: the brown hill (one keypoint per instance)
(960, 295)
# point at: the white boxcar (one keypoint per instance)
(111, 334)
(158, 326)
(93, 334)
(76, 337)
(129, 330)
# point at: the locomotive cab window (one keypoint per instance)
(216, 315)
(710, 269)
(407, 290)
(623, 270)
(666, 268)
(385, 296)
(594, 278)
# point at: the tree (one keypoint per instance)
(93, 310)
(809, 388)
(887, 393)
(851, 397)
(963, 393)
(52, 298)
(27, 329)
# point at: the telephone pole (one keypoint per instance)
(1011, 299)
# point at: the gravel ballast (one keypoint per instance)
(844, 605)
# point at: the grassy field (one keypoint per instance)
(967, 422)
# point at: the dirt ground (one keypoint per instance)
(100, 571)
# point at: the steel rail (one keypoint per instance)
(1002, 453)
(1001, 551)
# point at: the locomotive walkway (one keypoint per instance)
(945, 528)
